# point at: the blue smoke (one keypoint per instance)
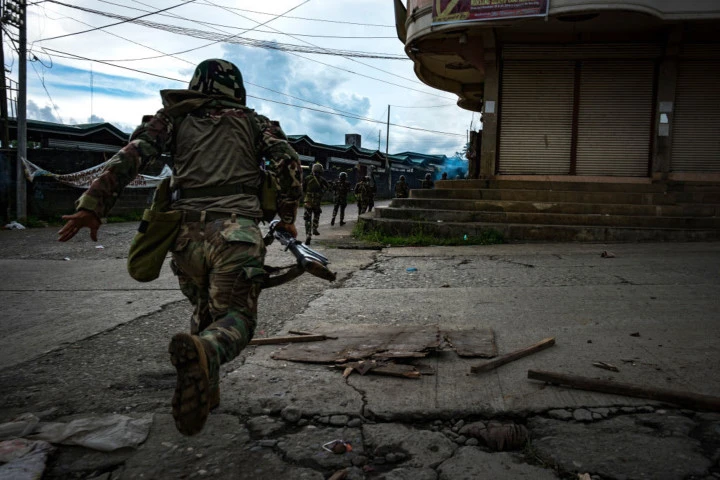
(455, 167)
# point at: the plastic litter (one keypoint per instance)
(98, 433)
(337, 446)
(23, 459)
(99, 246)
(412, 269)
(465, 237)
(18, 427)
(67, 259)
(14, 226)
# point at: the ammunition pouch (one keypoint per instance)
(156, 235)
(268, 195)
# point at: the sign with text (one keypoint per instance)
(452, 11)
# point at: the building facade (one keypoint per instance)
(591, 90)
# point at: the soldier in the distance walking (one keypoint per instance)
(361, 194)
(401, 188)
(341, 188)
(314, 187)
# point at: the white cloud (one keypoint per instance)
(121, 96)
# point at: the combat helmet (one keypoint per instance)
(343, 175)
(402, 177)
(427, 176)
(317, 168)
(218, 77)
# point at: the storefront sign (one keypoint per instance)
(451, 11)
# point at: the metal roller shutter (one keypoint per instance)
(536, 110)
(696, 129)
(615, 117)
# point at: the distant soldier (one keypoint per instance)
(401, 188)
(444, 176)
(314, 187)
(371, 190)
(361, 194)
(428, 183)
(340, 188)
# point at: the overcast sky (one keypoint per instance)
(113, 74)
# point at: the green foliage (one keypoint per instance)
(131, 216)
(420, 238)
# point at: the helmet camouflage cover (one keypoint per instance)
(317, 168)
(218, 77)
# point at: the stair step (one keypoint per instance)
(683, 210)
(535, 233)
(436, 215)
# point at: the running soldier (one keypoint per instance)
(341, 188)
(314, 187)
(219, 146)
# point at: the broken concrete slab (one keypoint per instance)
(470, 463)
(422, 448)
(624, 447)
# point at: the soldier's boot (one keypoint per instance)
(193, 360)
(332, 221)
(308, 239)
(315, 231)
(342, 223)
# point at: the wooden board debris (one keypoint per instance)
(683, 399)
(511, 357)
(288, 339)
(479, 342)
(389, 342)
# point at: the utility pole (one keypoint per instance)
(387, 154)
(3, 91)
(21, 196)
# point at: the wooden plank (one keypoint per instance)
(511, 357)
(476, 342)
(298, 332)
(683, 399)
(292, 339)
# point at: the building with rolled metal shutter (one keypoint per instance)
(576, 94)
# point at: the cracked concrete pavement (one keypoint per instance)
(81, 339)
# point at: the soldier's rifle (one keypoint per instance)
(308, 260)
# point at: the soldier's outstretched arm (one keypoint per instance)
(147, 142)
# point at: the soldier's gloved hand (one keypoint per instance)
(76, 221)
(287, 227)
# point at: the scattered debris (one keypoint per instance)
(388, 368)
(636, 334)
(339, 475)
(338, 446)
(445, 286)
(511, 357)
(67, 259)
(105, 434)
(498, 436)
(606, 366)
(685, 399)
(291, 339)
(99, 247)
(23, 459)
(606, 254)
(297, 332)
(14, 226)
(478, 342)
(584, 476)
(412, 269)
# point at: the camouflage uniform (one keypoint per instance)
(371, 189)
(401, 188)
(314, 187)
(361, 195)
(428, 183)
(218, 146)
(341, 188)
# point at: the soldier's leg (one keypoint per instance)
(307, 216)
(334, 214)
(342, 214)
(316, 219)
(235, 255)
(188, 265)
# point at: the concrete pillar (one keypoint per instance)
(666, 84)
(491, 102)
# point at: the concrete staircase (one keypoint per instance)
(525, 211)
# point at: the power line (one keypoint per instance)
(356, 117)
(42, 82)
(211, 24)
(117, 23)
(191, 32)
